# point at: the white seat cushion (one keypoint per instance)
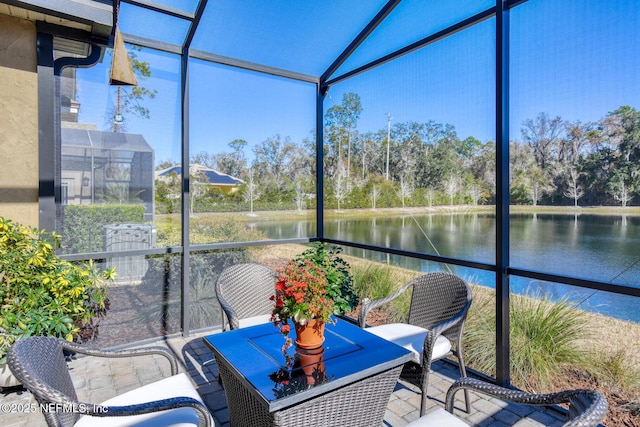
(412, 338)
(255, 320)
(174, 386)
(438, 417)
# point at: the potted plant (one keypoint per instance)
(41, 294)
(310, 289)
(336, 270)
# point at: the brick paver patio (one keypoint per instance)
(98, 379)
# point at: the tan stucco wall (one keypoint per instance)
(18, 121)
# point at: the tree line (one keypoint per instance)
(556, 162)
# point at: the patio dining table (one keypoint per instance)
(346, 382)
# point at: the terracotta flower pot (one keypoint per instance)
(310, 335)
(312, 363)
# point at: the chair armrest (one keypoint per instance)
(162, 351)
(232, 317)
(146, 408)
(586, 407)
(433, 334)
(502, 393)
(367, 305)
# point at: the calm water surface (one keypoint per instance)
(597, 247)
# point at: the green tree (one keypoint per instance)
(597, 169)
(483, 168)
(271, 164)
(407, 137)
(542, 134)
(203, 158)
(341, 121)
(234, 162)
(626, 131)
(437, 158)
(167, 193)
(578, 138)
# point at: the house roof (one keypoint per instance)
(94, 16)
(118, 147)
(85, 138)
(213, 176)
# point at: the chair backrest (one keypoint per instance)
(39, 364)
(243, 291)
(437, 297)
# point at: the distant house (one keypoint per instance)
(99, 167)
(227, 183)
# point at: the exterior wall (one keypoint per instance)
(18, 121)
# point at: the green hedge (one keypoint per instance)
(83, 225)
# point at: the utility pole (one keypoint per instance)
(389, 118)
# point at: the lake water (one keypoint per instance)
(597, 247)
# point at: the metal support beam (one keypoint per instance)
(252, 66)
(372, 25)
(161, 8)
(48, 137)
(575, 281)
(502, 194)
(480, 17)
(319, 162)
(411, 254)
(186, 253)
(194, 26)
(152, 44)
(186, 196)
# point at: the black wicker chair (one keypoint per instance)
(439, 306)
(39, 364)
(243, 291)
(586, 407)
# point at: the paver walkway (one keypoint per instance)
(97, 379)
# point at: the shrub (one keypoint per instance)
(40, 294)
(545, 337)
(373, 281)
(616, 371)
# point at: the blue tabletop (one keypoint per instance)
(348, 354)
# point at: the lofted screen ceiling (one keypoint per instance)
(300, 37)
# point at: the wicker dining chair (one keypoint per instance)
(40, 365)
(243, 291)
(439, 305)
(586, 408)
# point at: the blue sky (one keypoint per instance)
(576, 59)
